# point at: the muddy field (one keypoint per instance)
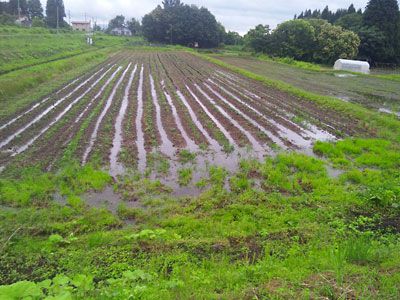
(164, 115)
(371, 92)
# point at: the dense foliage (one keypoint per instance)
(55, 9)
(178, 23)
(378, 28)
(308, 40)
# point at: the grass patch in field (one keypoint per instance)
(185, 156)
(185, 176)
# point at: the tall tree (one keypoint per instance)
(117, 22)
(55, 8)
(384, 16)
(35, 9)
(182, 24)
(351, 9)
(13, 7)
(134, 26)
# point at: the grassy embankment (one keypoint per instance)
(35, 62)
(285, 230)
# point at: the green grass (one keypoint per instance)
(25, 47)
(299, 233)
(20, 88)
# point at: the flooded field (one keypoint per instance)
(371, 92)
(167, 116)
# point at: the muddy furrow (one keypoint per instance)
(253, 141)
(190, 133)
(37, 105)
(190, 144)
(274, 138)
(327, 119)
(214, 144)
(166, 146)
(281, 117)
(65, 135)
(10, 138)
(198, 109)
(115, 167)
(23, 148)
(102, 115)
(95, 98)
(140, 141)
(55, 93)
(284, 132)
(168, 120)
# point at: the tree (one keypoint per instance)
(232, 38)
(352, 22)
(257, 39)
(384, 16)
(134, 26)
(171, 3)
(13, 7)
(182, 24)
(117, 22)
(326, 14)
(374, 45)
(4, 8)
(55, 8)
(351, 9)
(7, 19)
(333, 42)
(35, 9)
(294, 39)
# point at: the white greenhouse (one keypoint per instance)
(352, 65)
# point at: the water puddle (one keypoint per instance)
(98, 94)
(37, 105)
(139, 128)
(56, 119)
(389, 111)
(117, 168)
(45, 112)
(190, 144)
(255, 144)
(107, 199)
(102, 115)
(166, 146)
(342, 75)
(211, 116)
(213, 143)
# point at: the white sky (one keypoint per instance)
(236, 15)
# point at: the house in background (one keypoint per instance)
(81, 26)
(121, 31)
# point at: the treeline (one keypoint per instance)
(378, 28)
(32, 10)
(188, 25)
(310, 40)
(120, 22)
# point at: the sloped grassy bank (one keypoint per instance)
(287, 228)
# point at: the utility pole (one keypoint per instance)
(19, 11)
(171, 33)
(69, 17)
(57, 19)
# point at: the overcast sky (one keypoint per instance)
(236, 15)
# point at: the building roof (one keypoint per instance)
(81, 22)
